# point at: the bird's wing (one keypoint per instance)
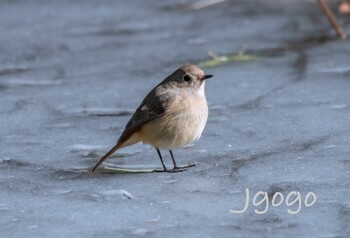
(152, 106)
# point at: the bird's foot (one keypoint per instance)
(185, 166)
(173, 170)
(177, 169)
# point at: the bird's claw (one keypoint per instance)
(176, 170)
(186, 166)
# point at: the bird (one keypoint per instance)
(172, 115)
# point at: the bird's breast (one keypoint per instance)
(182, 123)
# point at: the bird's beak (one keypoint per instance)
(207, 76)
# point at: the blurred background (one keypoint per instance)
(72, 73)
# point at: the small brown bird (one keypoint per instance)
(172, 115)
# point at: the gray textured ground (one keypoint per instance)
(71, 72)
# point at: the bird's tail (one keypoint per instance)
(109, 153)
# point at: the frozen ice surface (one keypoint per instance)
(72, 72)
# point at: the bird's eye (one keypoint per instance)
(186, 78)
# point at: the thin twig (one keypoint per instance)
(244, 48)
(331, 19)
(213, 55)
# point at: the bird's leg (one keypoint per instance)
(178, 168)
(161, 160)
(172, 157)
